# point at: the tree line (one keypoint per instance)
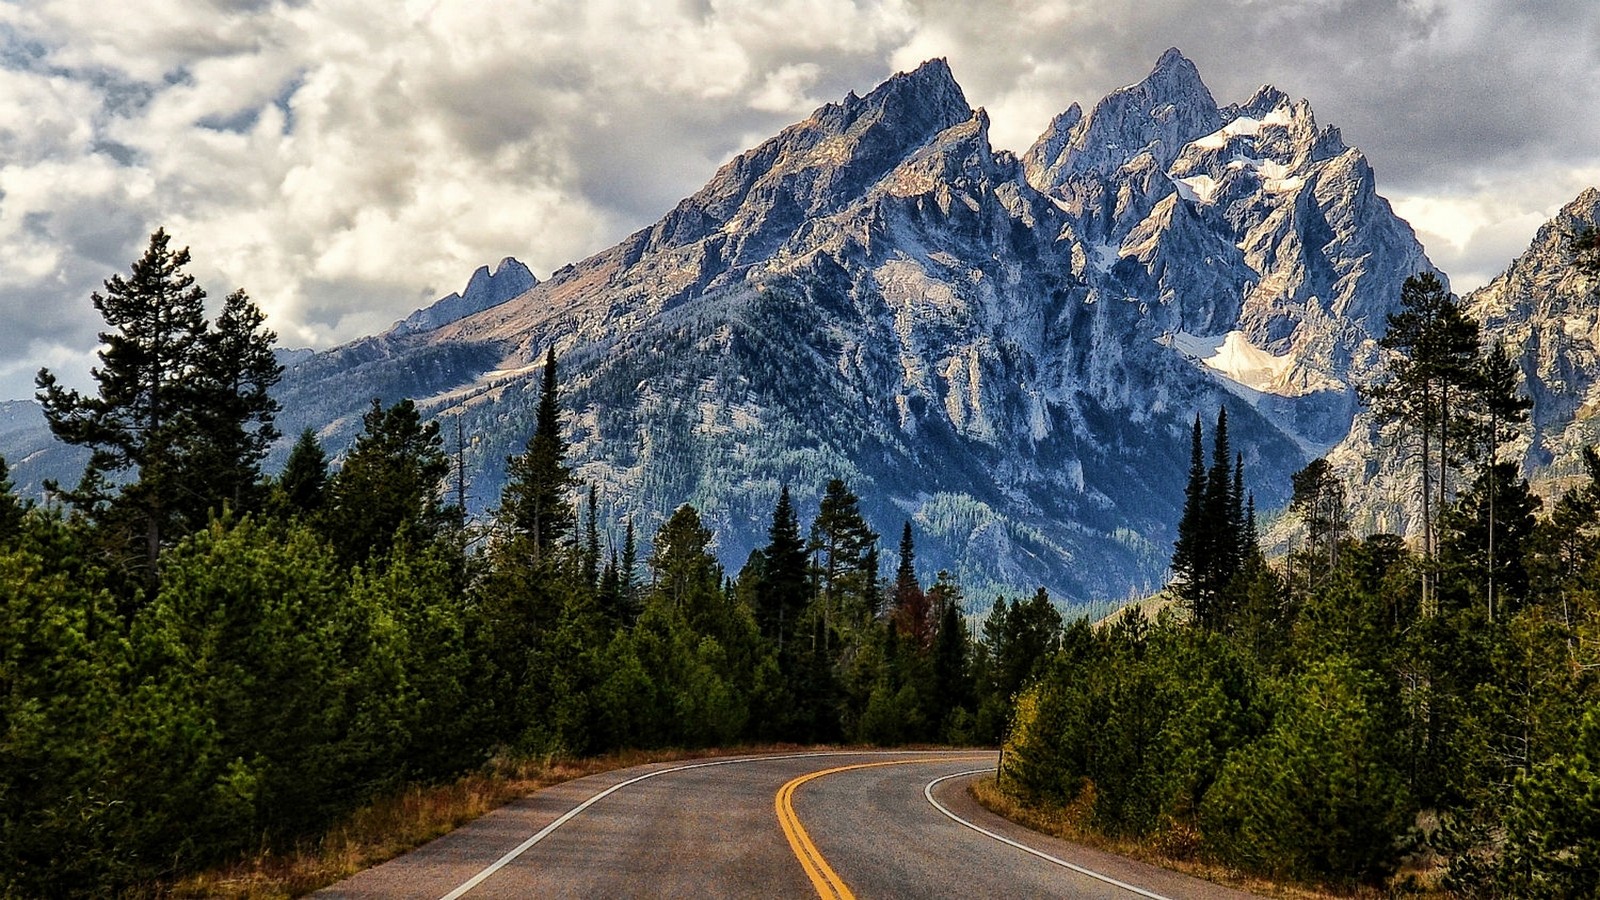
(1359, 703)
(199, 660)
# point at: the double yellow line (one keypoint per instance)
(827, 882)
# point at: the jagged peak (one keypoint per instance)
(1174, 76)
(511, 264)
(483, 291)
(1583, 211)
(1159, 114)
(931, 87)
(1587, 201)
(1266, 99)
(1050, 142)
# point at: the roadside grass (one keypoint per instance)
(395, 823)
(1176, 848)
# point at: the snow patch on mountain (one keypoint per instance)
(1234, 357)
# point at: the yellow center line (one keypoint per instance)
(827, 882)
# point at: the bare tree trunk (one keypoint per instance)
(1428, 524)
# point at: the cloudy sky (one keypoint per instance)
(347, 161)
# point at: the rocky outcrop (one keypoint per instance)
(484, 291)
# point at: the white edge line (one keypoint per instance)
(928, 792)
(544, 832)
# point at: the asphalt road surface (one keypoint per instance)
(836, 825)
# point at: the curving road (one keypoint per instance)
(831, 824)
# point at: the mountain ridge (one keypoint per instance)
(1006, 350)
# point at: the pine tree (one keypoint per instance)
(1428, 389)
(535, 508)
(842, 546)
(143, 414)
(1586, 252)
(627, 575)
(234, 409)
(1220, 518)
(591, 542)
(951, 689)
(1192, 544)
(783, 590)
(303, 484)
(1503, 410)
(389, 488)
(913, 614)
(12, 509)
(685, 571)
(1215, 534)
(1318, 499)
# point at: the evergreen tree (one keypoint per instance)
(1191, 548)
(1214, 534)
(1586, 252)
(688, 578)
(912, 614)
(1503, 410)
(627, 575)
(608, 594)
(12, 509)
(1428, 388)
(1318, 499)
(1496, 513)
(591, 541)
(951, 688)
(843, 548)
(535, 509)
(1220, 516)
(783, 588)
(389, 487)
(303, 484)
(1552, 841)
(1030, 634)
(234, 410)
(144, 414)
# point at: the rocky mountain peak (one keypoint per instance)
(1543, 290)
(811, 169)
(1159, 115)
(484, 290)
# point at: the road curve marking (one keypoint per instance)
(928, 792)
(545, 832)
(827, 882)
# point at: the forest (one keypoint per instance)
(198, 659)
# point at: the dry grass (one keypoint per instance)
(1176, 848)
(393, 824)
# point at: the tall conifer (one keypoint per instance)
(183, 406)
(1190, 547)
(912, 614)
(783, 592)
(535, 505)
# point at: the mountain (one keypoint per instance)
(1007, 351)
(33, 456)
(484, 291)
(1548, 318)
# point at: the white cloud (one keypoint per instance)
(346, 161)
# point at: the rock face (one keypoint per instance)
(1007, 352)
(1548, 317)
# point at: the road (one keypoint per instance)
(836, 824)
